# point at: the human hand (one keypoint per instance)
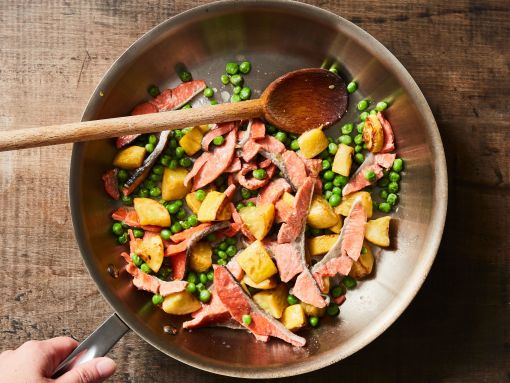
(35, 362)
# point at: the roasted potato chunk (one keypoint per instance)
(273, 301)
(313, 311)
(312, 142)
(321, 214)
(181, 303)
(373, 134)
(338, 227)
(211, 206)
(151, 250)
(343, 160)
(266, 284)
(321, 244)
(294, 317)
(204, 128)
(192, 202)
(172, 186)
(191, 142)
(378, 231)
(365, 263)
(224, 214)
(130, 158)
(259, 219)
(151, 212)
(201, 257)
(345, 206)
(256, 262)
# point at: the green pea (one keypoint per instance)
(208, 92)
(179, 152)
(235, 98)
(192, 220)
(352, 87)
(223, 246)
(259, 174)
(210, 276)
(393, 187)
(328, 186)
(349, 282)
(364, 250)
(211, 237)
(200, 286)
(358, 148)
(337, 190)
(156, 177)
(334, 200)
(247, 319)
(185, 76)
(200, 195)
(117, 228)
(192, 277)
(380, 106)
(345, 139)
(245, 67)
(245, 193)
(122, 175)
(172, 143)
(202, 277)
(340, 181)
(328, 175)
(155, 192)
(144, 193)
(394, 177)
(122, 239)
(205, 296)
(191, 288)
(294, 145)
(314, 321)
(363, 116)
(332, 148)
(245, 93)
(157, 299)
(221, 262)
(165, 234)
(324, 154)
(185, 162)
(173, 164)
(214, 102)
(383, 194)
(327, 194)
(181, 214)
(164, 160)
(148, 184)
(152, 139)
(176, 227)
(237, 80)
(231, 251)
(359, 158)
(281, 136)
(373, 112)
(136, 260)
(292, 300)
(185, 225)
(225, 79)
(250, 204)
(347, 128)
(231, 68)
(145, 268)
(138, 233)
(362, 105)
(370, 176)
(239, 206)
(237, 89)
(326, 165)
(172, 208)
(333, 310)
(360, 127)
(164, 273)
(149, 148)
(231, 240)
(126, 200)
(337, 291)
(358, 139)
(385, 207)
(398, 165)
(392, 199)
(153, 91)
(178, 134)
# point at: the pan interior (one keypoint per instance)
(276, 37)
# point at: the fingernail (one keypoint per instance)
(106, 367)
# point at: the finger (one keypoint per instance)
(95, 371)
(55, 351)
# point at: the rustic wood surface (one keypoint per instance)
(52, 53)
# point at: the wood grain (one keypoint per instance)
(456, 330)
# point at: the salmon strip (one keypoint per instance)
(388, 144)
(258, 129)
(197, 166)
(375, 163)
(273, 191)
(178, 264)
(234, 166)
(219, 130)
(253, 183)
(145, 108)
(186, 234)
(110, 183)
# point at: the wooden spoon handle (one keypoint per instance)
(121, 126)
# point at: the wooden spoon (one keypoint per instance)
(295, 102)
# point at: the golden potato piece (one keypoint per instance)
(313, 311)
(294, 317)
(172, 186)
(345, 206)
(273, 301)
(343, 160)
(256, 262)
(365, 263)
(373, 134)
(204, 128)
(321, 244)
(181, 303)
(130, 158)
(312, 142)
(151, 212)
(259, 219)
(321, 214)
(338, 227)
(192, 202)
(151, 250)
(266, 284)
(191, 142)
(201, 257)
(224, 214)
(378, 231)
(211, 206)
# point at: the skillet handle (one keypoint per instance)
(96, 344)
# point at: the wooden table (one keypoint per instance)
(51, 56)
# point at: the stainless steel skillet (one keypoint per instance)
(276, 36)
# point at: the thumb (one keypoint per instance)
(94, 371)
